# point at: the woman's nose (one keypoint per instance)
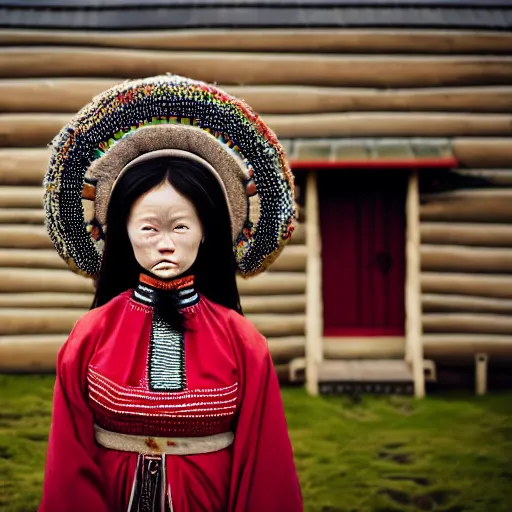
(166, 244)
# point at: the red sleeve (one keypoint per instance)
(73, 481)
(263, 475)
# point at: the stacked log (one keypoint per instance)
(313, 84)
(466, 256)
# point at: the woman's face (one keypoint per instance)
(165, 232)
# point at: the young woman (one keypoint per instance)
(166, 398)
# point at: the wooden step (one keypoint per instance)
(368, 376)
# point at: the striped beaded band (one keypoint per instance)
(140, 116)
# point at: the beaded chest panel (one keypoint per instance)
(136, 410)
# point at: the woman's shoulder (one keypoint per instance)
(92, 323)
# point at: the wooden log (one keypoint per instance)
(314, 298)
(292, 259)
(280, 324)
(322, 40)
(413, 327)
(437, 303)
(81, 301)
(478, 323)
(299, 234)
(477, 205)
(375, 347)
(273, 304)
(24, 353)
(287, 348)
(71, 94)
(259, 68)
(23, 167)
(27, 130)
(24, 237)
(283, 373)
(457, 346)
(494, 177)
(478, 152)
(15, 321)
(489, 235)
(382, 125)
(30, 258)
(32, 353)
(35, 280)
(275, 283)
(481, 361)
(455, 258)
(18, 216)
(21, 197)
(496, 286)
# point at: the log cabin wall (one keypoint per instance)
(413, 73)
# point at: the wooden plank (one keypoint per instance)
(27, 280)
(440, 303)
(23, 166)
(494, 177)
(304, 40)
(457, 346)
(21, 216)
(29, 258)
(28, 130)
(292, 259)
(413, 327)
(457, 258)
(490, 235)
(478, 323)
(376, 370)
(287, 348)
(274, 304)
(24, 237)
(388, 347)
(71, 94)
(15, 321)
(476, 205)
(46, 300)
(275, 283)
(496, 286)
(259, 68)
(32, 353)
(278, 325)
(314, 297)
(21, 197)
(479, 152)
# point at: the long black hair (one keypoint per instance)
(215, 266)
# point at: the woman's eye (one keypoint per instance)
(148, 228)
(181, 227)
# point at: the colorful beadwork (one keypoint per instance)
(119, 112)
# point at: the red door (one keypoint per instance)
(362, 215)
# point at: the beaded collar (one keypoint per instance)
(180, 291)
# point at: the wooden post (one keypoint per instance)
(413, 328)
(314, 310)
(481, 373)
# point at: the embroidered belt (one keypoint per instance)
(162, 445)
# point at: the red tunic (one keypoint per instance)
(231, 385)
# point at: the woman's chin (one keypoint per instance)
(166, 272)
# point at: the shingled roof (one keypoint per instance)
(194, 14)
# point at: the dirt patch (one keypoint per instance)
(441, 497)
(397, 496)
(393, 446)
(399, 458)
(418, 480)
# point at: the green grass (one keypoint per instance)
(387, 454)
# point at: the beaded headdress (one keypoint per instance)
(160, 113)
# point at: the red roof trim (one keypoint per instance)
(424, 163)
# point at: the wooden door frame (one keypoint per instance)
(314, 350)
